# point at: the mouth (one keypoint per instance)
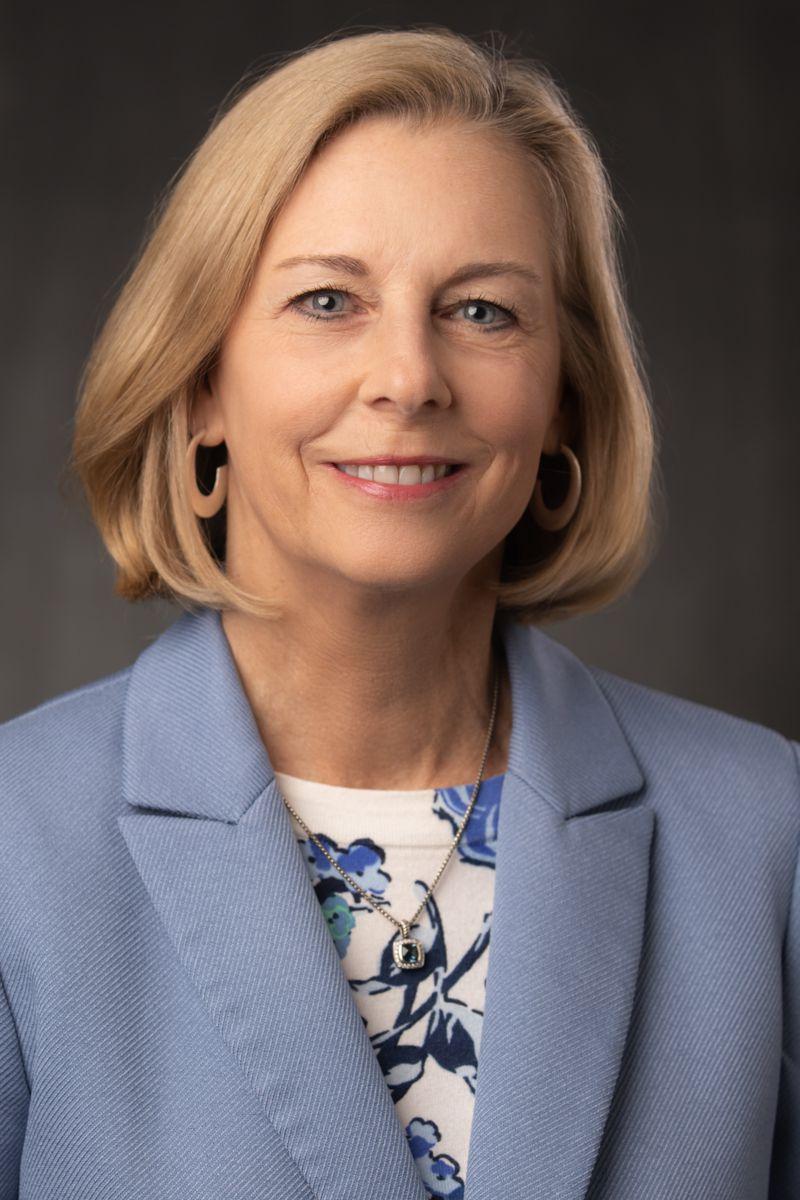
(408, 480)
(394, 470)
(398, 460)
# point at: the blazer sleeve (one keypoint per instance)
(14, 1097)
(785, 1167)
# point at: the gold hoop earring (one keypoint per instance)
(557, 518)
(205, 505)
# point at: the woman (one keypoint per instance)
(356, 876)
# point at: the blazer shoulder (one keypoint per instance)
(78, 704)
(698, 740)
(58, 746)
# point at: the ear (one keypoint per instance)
(205, 411)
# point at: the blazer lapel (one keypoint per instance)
(234, 895)
(235, 898)
(567, 928)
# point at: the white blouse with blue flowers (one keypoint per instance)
(424, 1024)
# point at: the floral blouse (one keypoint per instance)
(424, 1023)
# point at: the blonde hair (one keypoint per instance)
(198, 259)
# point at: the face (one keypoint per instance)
(384, 353)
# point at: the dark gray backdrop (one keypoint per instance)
(694, 110)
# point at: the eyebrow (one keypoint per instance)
(471, 270)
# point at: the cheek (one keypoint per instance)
(272, 440)
(519, 421)
(518, 417)
(270, 413)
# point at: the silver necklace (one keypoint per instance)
(408, 952)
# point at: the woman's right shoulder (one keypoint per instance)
(63, 748)
(61, 771)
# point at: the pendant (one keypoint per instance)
(408, 952)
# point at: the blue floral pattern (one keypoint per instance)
(444, 1029)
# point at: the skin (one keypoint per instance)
(378, 673)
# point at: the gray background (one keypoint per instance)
(694, 111)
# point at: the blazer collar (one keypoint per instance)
(185, 694)
(233, 892)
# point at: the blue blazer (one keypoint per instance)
(175, 1023)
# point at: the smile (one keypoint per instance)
(409, 482)
(409, 473)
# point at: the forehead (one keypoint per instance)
(385, 190)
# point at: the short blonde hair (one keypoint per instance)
(197, 262)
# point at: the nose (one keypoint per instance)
(401, 362)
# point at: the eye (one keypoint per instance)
(321, 315)
(325, 314)
(475, 305)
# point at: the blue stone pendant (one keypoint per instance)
(409, 953)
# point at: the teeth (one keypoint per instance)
(386, 473)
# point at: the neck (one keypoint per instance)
(381, 701)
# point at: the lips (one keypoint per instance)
(395, 489)
(393, 460)
(391, 473)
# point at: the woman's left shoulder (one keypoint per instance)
(696, 740)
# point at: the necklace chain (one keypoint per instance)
(376, 902)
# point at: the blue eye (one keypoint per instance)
(315, 316)
(481, 303)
